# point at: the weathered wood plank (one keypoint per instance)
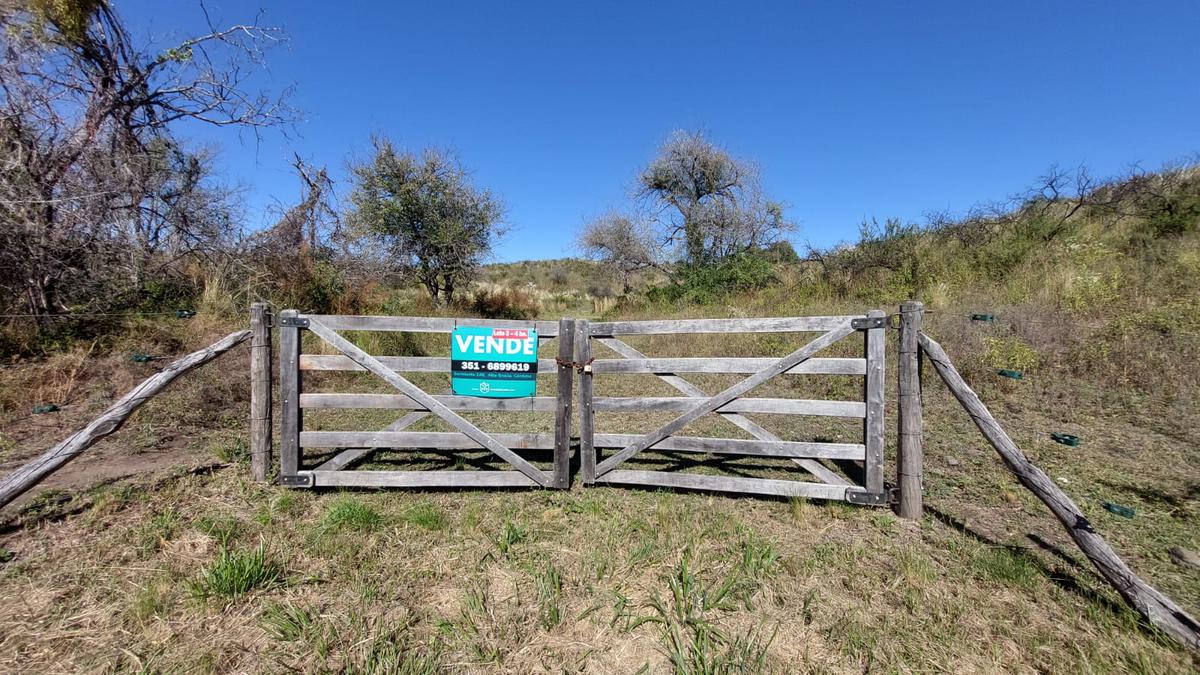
(348, 457)
(825, 366)
(562, 412)
(260, 392)
(403, 402)
(402, 364)
(737, 484)
(873, 395)
(745, 423)
(909, 455)
(421, 324)
(587, 420)
(33, 472)
(729, 394)
(290, 420)
(426, 400)
(795, 324)
(781, 406)
(421, 479)
(741, 446)
(446, 440)
(1160, 610)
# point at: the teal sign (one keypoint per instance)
(493, 362)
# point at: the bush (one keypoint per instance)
(706, 284)
(505, 303)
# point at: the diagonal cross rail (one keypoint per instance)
(431, 404)
(741, 421)
(724, 397)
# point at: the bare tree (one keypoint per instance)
(90, 167)
(711, 204)
(425, 213)
(622, 242)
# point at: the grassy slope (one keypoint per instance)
(130, 576)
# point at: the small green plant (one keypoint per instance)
(510, 535)
(237, 452)
(288, 622)
(426, 515)
(1009, 353)
(235, 573)
(549, 594)
(350, 514)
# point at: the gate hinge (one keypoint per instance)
(300, 480)
(294, 321)
(862, 497)
(869, 322)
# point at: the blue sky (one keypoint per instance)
(852, 110)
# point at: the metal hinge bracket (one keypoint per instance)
(300, 480)
(294, 321)
(864, 498)
(869, 322)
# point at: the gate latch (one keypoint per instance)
(869, 322)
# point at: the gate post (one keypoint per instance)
(583, 356)
(910, 454)
(873, 395)
(289, 397)
(260, 392)
(562, 408)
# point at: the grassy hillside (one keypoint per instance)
(192, 567)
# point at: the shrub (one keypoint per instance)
(505, 303)
(706, 284)
(1010, 353)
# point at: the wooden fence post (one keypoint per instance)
(260, 392)
(910, 454)
(289, 396)
(562, 408)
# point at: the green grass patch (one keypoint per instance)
(348, 513)
(236, 573)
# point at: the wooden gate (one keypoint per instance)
(862, 483)
(296, 442)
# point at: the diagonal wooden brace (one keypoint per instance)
(420, 396)
(724, 397)
(813, 466)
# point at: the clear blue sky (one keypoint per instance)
(852, 110)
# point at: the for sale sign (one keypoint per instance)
(493, 362)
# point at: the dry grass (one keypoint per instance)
(610, 580)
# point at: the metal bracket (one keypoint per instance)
(869, 322)
(294, 321)
(300, 480)
(864, 498)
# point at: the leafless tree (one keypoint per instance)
(93, 186)
(622, 242)
(710, 205)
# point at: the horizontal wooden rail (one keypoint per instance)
(401, 364)
(780, 406)
(695, 481)
(420, 324)
(797, 324)
(741, 446)
(402, 402)
(441, 440)
(441, 479)
(826, 366)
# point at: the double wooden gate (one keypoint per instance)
(539, 453)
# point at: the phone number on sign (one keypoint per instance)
(498, 366)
